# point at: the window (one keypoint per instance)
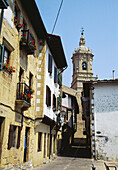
(54, 103)
(48, 96)
(39, 141)
(30, 79)
(50, 64)
(14, 136)
(84, 66)
(55, 75)
(21, 74)
(6, 55)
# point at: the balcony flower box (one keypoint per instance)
(26, 96)
(17, 23)
(8, 68)
(27, 42)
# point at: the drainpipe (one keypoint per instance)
(2, 13)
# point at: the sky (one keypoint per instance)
(99, 18)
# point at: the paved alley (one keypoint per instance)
(74, 158)
(71, 163)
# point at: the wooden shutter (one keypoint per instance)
(47, 94)
(49, 97)
(55, 75)
(54, 102)
(10, 136)
(19, 134)
(50, 63)
(1, 55)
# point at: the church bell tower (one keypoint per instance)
(82, 60)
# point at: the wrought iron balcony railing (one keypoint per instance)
(27, 42)
(24, 92)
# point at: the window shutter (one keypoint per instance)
(50, 63)
(49, 97)
(47, 94)
(1, 55)
(54, 101)
(19, 134)
(10, 136)
(55, 75)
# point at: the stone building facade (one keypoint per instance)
(26, 133)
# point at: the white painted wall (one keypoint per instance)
(8, 16)
(49, 80)
(66, 101)
(106, 120)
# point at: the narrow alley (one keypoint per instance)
(74, 159)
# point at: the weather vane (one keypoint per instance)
(82, 31)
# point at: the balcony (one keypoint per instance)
(27, 42)
(23, 96)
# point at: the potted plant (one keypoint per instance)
(17, 23)
(8, 68)
(24, 39)
(32, 45)
(31, 90)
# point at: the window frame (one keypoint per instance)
(6, 58)
(14, 136)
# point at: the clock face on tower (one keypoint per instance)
(84, 66)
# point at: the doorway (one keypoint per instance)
(26, 144)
